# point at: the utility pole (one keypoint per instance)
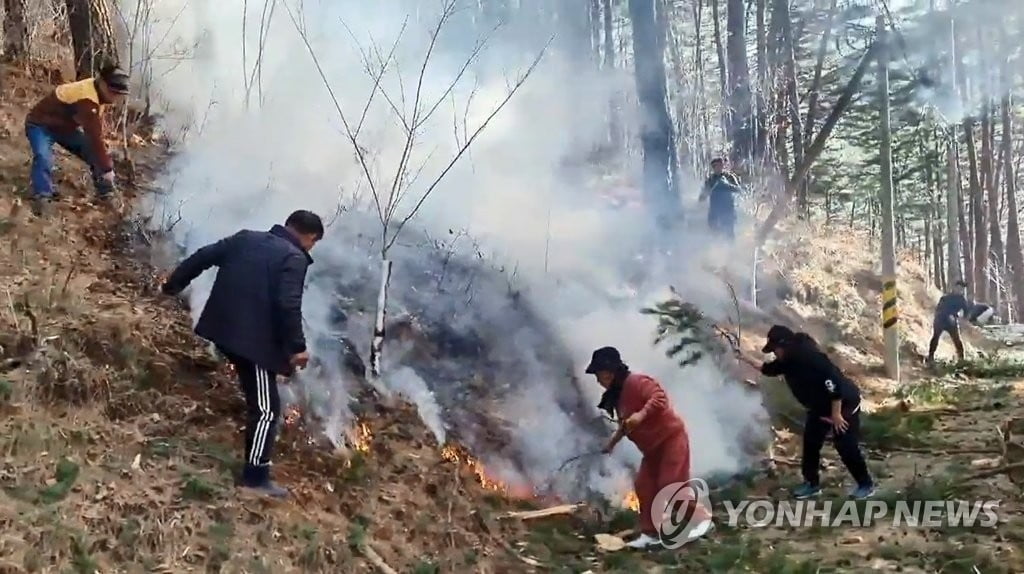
(953, 273)
(890, 309)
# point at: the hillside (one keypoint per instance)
(120, 431)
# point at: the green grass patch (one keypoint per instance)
(66, 475)
(894, 428)
(81, 560)
(995, 366)
(197, 488)
(220, 535)
(929, 392)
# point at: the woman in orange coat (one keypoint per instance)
(648, 420)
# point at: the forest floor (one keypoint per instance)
(120, 432)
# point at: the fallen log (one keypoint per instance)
(995, 471)
(552, 511)
(375, 559)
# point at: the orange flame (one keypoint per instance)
(632, 502)
(292, 416)
(457, 454)
(362, 438)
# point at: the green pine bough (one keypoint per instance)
(690, 334)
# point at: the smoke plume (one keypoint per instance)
(518, 265)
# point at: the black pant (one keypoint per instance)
(941, 326)
(722, 223)
(847, 444)
(263, 410)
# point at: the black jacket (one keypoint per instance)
(720, 189)
(814, 380)
(949, 306)
(255, 307)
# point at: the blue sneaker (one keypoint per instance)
(806, 490)
(863, 492)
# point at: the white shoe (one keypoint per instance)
(700, 530)
(642, 542)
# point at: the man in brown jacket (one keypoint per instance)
(71, 116)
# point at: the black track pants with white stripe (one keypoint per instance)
(263, 408)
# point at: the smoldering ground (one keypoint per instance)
(517, 266)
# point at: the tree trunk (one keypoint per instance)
(1014, 254)
(792, 99)
(782, 204)
(819, 66)
(16, 36)
(741, 132)
(723, 66)
(377, 343)
(978, 228)
(92, 36)
(656, 128)
(614, 123)
(994, 254)
(965, 242)
(761, 142)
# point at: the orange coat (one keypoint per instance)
(643, 393)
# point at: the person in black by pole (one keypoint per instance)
(720, 189)
(254, 317)
(832, 401)
(947, 309)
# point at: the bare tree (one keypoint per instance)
(16, 31)
(399, 197)
(656, 136)
(92, 36)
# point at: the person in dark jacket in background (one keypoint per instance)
(832, 401)
(720, 189)
(71, 116)
(945, 321)
(254, 317)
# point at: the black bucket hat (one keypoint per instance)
(604, 359)
(116, 79)
(777, 335)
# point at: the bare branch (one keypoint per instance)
(512, 92)
(383, 64)
(403, 161)
(341, 113)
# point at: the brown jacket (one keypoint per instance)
(74, 106)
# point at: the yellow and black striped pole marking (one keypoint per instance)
(890, 312)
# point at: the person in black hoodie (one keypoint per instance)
(832, 401)
(949, 307)
(254, 317)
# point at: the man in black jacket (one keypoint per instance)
(950, 306)
(832, 401)
(720, 189)
(254, 317)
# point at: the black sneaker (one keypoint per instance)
(268, 489)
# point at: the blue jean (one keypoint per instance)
(41, 141)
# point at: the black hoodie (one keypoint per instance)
(813, 378)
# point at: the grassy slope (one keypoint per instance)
(120, 436)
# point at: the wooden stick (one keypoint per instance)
(375, 559)
(553, 511)
(994, 471)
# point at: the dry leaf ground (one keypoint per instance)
(120, 433)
